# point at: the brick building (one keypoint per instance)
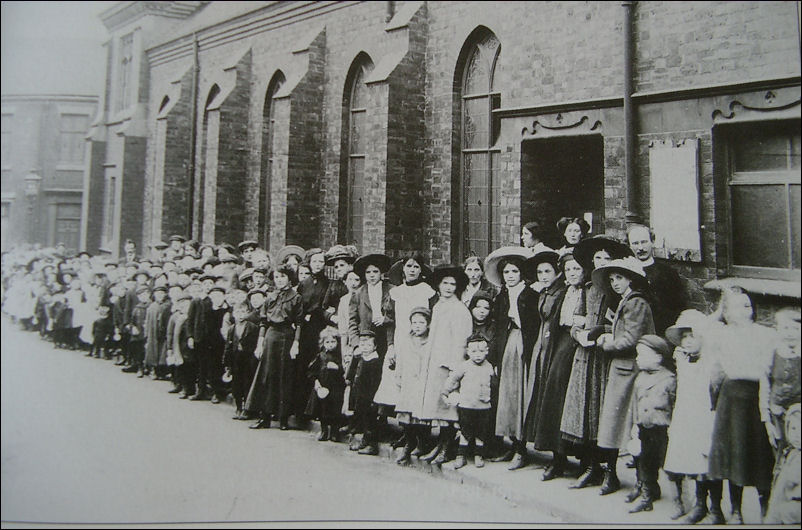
(43, 164)
(444, 126)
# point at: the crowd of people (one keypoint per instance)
(590, 351)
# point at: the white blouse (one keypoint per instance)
(514, 293)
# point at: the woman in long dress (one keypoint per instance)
(517, 324)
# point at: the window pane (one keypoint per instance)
(495, 198)
(762, 150)
(357, 180)
(796, 214)
(477, 74)
(759, 226)
(475, 126)
(476, 202)
(358, 120)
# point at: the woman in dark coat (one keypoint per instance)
(517, 324)
(271, 392)
(312, 291)
(580, 418)
(552, 369)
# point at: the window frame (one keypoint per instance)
(493, 97)
(359, 73)
(65, 133)
(776, 177)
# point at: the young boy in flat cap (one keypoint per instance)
(364, 377)
(156, 320)
(201, 335)
(652, 406)
(136, 331)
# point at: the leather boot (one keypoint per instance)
(716, 515)
(404, 458)
(678, 508)
(431, 455)
(610, 484)
(699, 510)
(420, 446)
(263, 423)
(371, 449)
(645, 503)
(506, 457)
(555, 470)
(479, 461)
(634, 493)
(460, 461)
(591, 476)
(324, 433)
(354, 443)
(518, 461)
(400, 442)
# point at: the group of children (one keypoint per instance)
(716, 397)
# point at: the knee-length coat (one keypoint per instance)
(633, 319)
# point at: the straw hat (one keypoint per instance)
(587, 248)
(516, 253)
(631, 267)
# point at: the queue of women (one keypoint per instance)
(530, 347)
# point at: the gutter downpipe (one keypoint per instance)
(630, 131)
(193, 136)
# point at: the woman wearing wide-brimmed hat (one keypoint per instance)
(291, 255)
(633, 319)
(552, 361)
(448, 338)
(369, 311)
(517, 324)
(580, 418)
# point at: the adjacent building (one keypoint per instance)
(44, 158)
(444, 126)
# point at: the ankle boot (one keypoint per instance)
(634, 493)
(400, 442)
(324, 433)
(431, 455)
(460, 461)
(645, 503)
(518, 461)
(716, 515)
(404, 457)
(610, 484)
(591, 476)
(679, 509)
(699, 510)
(506, 457)
(420, 446)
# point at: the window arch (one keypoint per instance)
(354, 151)
(478, 218)
(268, 156)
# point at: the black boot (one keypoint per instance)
(610, 483)
(431, 455)
(591, 476)
(699, 510)
(325, 433)
(634, 493)
(645, 504)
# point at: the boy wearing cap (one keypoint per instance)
(216, 343)
(179, 355)
(156, 320)
(200, 333)
(136, 331)
(102, 330)
(652, 407)
(364, 377)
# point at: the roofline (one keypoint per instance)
(41, 97)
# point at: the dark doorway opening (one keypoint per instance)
(563, 177)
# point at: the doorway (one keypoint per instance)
(563, 177)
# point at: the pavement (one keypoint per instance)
(82, 442)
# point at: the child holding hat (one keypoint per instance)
(692, 425)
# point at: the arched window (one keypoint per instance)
(268, 156)
(355, 106)
(479, 182)
(199, 193)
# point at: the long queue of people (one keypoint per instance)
(590, 351)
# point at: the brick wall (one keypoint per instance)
(94, 231)
(133, 192)
(551, 53)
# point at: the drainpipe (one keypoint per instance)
(390, 10)
(193, 136)
(630, 130)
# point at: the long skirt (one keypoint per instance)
(546, 425)
(272, 389)
(615, 422)
(583, 397)
(511, 406)
(740, 450)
